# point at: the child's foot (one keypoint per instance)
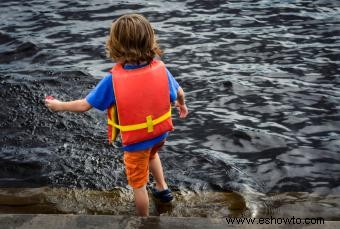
(164, 195)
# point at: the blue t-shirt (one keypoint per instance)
(102, 97)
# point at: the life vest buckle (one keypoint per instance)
(149, 123)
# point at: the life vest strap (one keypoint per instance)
(149, 124)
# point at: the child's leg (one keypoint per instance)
(161, 190)
(157, 172)
(137, 171)
(141, 201)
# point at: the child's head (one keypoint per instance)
(132, 40)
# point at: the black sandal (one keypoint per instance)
(164, 195)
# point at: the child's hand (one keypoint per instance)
(52, 104)
(182, 110)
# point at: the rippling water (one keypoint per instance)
(262, 83)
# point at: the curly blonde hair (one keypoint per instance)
(132, 40)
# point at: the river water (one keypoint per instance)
(262, 85)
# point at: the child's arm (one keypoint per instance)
(180, 104)
(80, 105)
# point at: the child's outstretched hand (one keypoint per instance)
(52, 104)
(182, 109)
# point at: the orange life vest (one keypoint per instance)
(142, 101)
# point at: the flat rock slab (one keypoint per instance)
(40, 221)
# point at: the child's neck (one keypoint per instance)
(141, 63)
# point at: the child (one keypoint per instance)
(142, 89)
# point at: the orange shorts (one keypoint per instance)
(137, 165)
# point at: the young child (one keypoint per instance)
(142, 89)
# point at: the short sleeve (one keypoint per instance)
(173, 86)
(102, 96)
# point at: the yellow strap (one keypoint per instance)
(148, 124)
(112, 119)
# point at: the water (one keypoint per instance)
(262, 85)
